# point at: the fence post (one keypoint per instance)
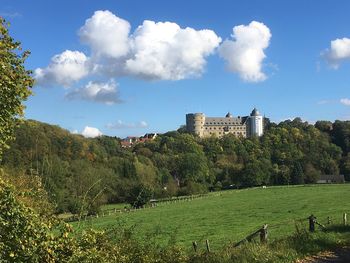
(263, 234)
(208, 247)
(194, 244)
(344, 219)
(312, 220)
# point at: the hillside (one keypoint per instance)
(80, 174)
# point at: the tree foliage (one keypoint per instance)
(15, 84)
(80, 174)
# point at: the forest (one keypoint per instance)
(81, 174)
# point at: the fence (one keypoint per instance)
(262, 232)
(154, 203)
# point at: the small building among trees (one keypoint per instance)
(331, 179)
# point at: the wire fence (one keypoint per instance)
(152, 204)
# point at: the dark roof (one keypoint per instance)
(229, 115)
(255, 112)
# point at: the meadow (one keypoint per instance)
(229, 216)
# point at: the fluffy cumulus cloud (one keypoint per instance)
(345, 101)
(123, 125)
(64, 69)
(338, 52)
(155, 51)
(167, 52)
(245, 53)
(91, 132)
(102, 92)
(106, 34)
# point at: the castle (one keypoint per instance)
(247, 126)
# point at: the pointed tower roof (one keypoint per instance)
(255, 112)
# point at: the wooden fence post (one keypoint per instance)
(263, 234)
(208, 247)
(344, 219)
(194, 244)
(312, 221)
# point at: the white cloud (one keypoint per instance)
(155, 51)
(122, 125)
(165, 51)
(339, 51)
(106, 34)
(102, 92)
(245, 53)
(345, 101)
(91, 132)
(322, 102)
(10, 14)
(64, 69)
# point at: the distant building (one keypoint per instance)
(247, 126)
(131, 140)
(331, 178)
(148, 137)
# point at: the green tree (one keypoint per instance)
(345, 166)
(324, 126)
(15, 84)
(297, 173)
(193, 167)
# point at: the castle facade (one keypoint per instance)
(247, 126)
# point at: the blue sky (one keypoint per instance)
(292, 61)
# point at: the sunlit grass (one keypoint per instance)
(229, 216)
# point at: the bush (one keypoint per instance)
(139, 196)
(193, 188)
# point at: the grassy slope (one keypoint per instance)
(232, 215)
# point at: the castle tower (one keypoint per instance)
(256, 123)
(195, 123)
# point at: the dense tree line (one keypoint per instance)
(80, 174)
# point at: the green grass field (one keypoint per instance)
(229, 216)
